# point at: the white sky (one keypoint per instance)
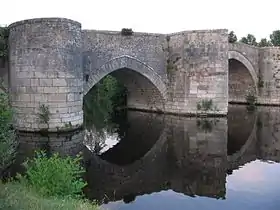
(259, 17)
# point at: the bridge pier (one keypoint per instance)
(198, 72)
(45, 74)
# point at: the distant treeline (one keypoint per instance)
(250, 39)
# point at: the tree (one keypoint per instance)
(4, 34)
(250, 40)
(232, 37)
(275, 38)
(244, 40)
(7, 135)
(264, 43)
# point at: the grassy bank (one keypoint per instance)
(16, 196)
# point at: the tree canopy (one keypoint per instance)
(275, 38)
(264, 43)
(232, 37)
(250, 39)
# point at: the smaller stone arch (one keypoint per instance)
(129, 62)
(241, 58)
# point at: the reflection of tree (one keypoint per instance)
(100, 103)
(206, 125)
(100, 108)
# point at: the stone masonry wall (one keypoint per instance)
(269, 66)
(243, 71)
(248, 51)
(46, 69)
(142, 94)
(51, 60)
(102, 46)
(198, 70)
(240, 82)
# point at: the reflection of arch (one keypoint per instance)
(241, 58)
(135, 165)
(128, 62)
(121, 177)
(234, 159)
(135, 143)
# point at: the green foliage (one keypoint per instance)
(171, 67)
(250, 40)
(4, 34)
(102, 101)
(232, 37)
(264, 43)
(44, 114)
(54, 176)
(205, 105)
(205, 125)
(260, 83)
(127, 32)
(251, 99)
(275, 38)
(15, 196)
(7, 134)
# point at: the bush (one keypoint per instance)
(251, 99)
(54, 176)
(127, 32)
(7, 134)
(205, 105)
(14, 196)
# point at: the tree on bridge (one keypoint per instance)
(264, 43)
(275, 38)
(250, 40)
(232, 37)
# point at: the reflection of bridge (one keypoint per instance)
(54, 62)
(186, 157)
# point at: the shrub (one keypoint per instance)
(44, 114)
(7, 134)
(205, 105)
(54, 175)
(127, 32)
(14, 196)
(251, 99)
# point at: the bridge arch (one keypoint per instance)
(126, 62)
(238, 59)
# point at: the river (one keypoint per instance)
(141, 160)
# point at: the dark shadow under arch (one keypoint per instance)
(242, 77)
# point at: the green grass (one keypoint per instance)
(16, 196)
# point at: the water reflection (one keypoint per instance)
(65, 144)
(149, 161)
(193, 157)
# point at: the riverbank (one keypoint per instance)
(14, 196)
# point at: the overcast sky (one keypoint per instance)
(259, 17)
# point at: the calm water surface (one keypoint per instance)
(148, 161)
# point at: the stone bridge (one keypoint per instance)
(53, 62)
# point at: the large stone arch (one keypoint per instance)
(242, 59)
(128, 62)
